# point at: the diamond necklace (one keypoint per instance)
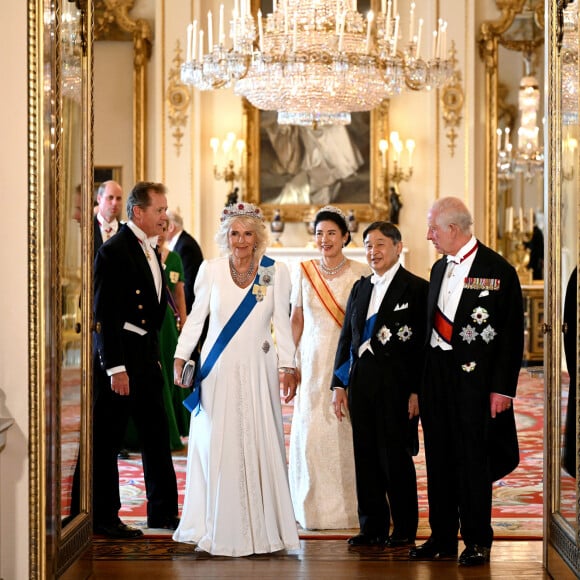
(331, 271)
(241, 278)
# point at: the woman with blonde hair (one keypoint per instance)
(237, 498)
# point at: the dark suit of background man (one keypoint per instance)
(130, 303)
(189, 251)
(381, 388)
(474, 353)
(106, 220)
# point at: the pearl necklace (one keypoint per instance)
(242, 278)
(331, 271)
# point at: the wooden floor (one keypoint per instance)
(162, 559)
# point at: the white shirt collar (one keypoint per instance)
(141, 235)
(173, 241)
(386, 278)
(463, 251)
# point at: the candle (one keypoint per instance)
(240, 146)
(383, 6)
(234, 28)
(411, 20)
(201, 46)
(531, 220)
(520, 219)
(388, 20)
(395, 11)
(260, 31)
(410, 144)
(509, 219)
(294, 34)
(221, 35)
(194, 41)
(383, 146)
(438, 45)
(394, 138)
(443, 54)
(236, 7)
(370, 16)
(498, 132)
(434, 46)
(341, 37)
(395, 35)
(188, 48)
(419, 31)
(214, 143)
(209, 32)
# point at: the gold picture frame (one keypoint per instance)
(365, 191)
(373, 206)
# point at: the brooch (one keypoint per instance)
(479, 315)
(384, 335)
(488, 334)
(173, 277)
(468, 333)
(266, 346)
(404, 333)
(265, 276)
(259, 292)
(468, 367)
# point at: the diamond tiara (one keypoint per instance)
(241, 209)
(332, 209)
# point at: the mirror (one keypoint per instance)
(122, 40)
(512, 49)
(60, 216)
(561, 441)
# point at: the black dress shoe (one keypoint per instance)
(474, 555)
(431, 550)
(117, 530)
(164, 524)
(366, 540)
(399, 542)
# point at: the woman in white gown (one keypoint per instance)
(237, 499)
(322, 477)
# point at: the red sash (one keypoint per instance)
(443, 326)
(323, 292)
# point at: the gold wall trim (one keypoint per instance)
(452, 102)
(177, 97)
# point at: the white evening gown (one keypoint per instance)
(322, 477)
(237, 499)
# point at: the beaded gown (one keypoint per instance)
(321, 471)
(237, 499)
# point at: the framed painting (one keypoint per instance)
(298, 169)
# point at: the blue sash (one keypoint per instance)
(343, 371)
(236, 320)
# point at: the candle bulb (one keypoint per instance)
(499, 132)
(531, 220)
(520, 219)
(201, 46)
(507, 139)
(189, 42)
(234, 28)
(419, 32)
(194, 41)
(209, 32)
(388, 21)
(395, 35)
(383, 146)
(434, 46)
(369, 24)
(383, 6)
(260, 31)
(412, 20)
(222, 36)
(410, 144)
(214, 143)
(509, 219)
(438, 45)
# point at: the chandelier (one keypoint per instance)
(315, 61)
(528, 156)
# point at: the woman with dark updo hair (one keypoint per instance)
(322, 478)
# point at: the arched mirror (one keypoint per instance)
(562, 295)
(60, 163)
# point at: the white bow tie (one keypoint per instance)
(378, 280)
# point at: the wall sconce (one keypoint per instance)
(519, 230)
(228, 161)
(390, 180)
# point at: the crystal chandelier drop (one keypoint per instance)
(315, 61)
(528, 156)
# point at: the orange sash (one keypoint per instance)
(323, 291)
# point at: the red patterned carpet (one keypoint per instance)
(518, 498)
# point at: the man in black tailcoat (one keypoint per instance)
(378, 367)
(474, 351)
(106, 220)
(129, 307)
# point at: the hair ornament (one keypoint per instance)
(332, 209)
(241, 209)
